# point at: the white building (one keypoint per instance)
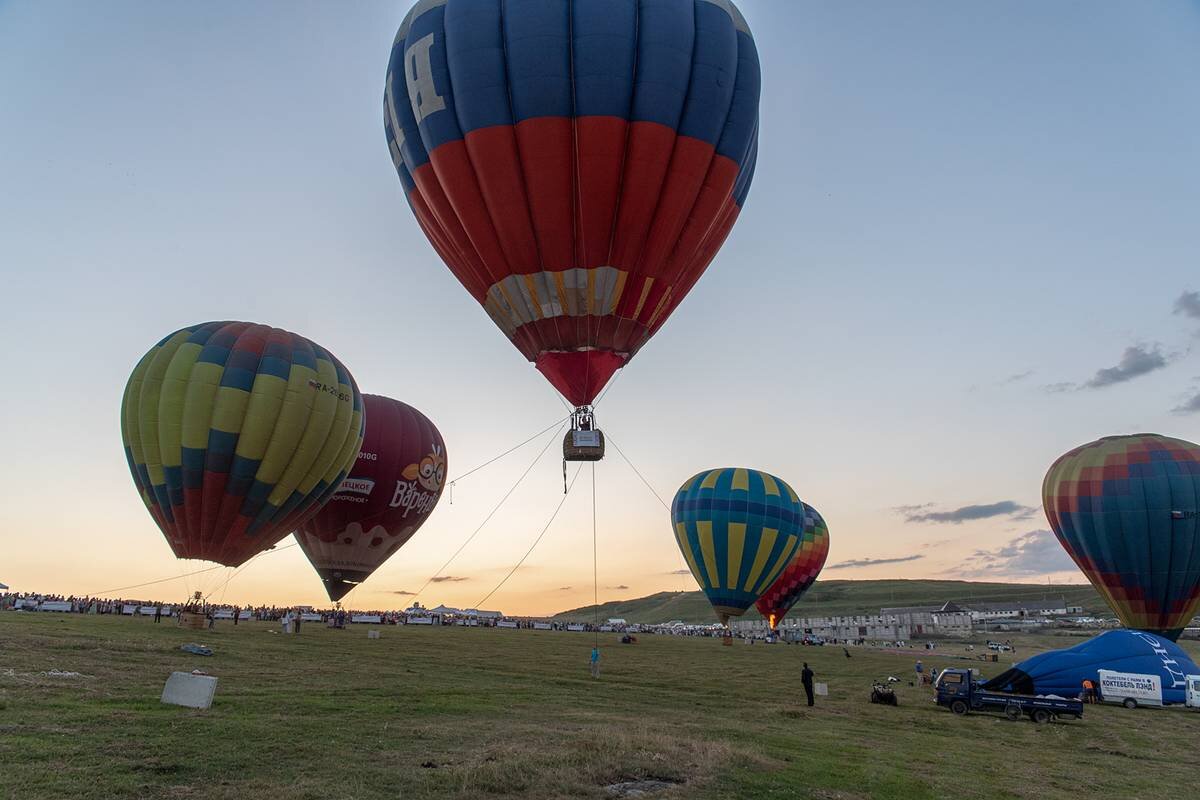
(982, 612)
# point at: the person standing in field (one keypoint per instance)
(158, 613)
(806, 678)
(286, 621)
(595, 662)
(298, 620)
(237, 612)
(920, 671)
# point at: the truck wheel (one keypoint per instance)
(1012, 711)
(959, 707)
(1040, 715)
(1130, 703)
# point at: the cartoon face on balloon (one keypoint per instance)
(430, 472)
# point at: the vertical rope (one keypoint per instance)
(595, 570)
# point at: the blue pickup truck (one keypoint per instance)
(958, 690)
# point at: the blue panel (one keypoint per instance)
(193, 468)
(437, 127)
(741, 187)
(302, 353)
(666, 33)
(741, 126)
(475, 54)
(538, 46)
(220, 451)
(236, 378)
(714, 70)
(604, 44)
(273, 365)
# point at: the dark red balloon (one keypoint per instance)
(390, 492)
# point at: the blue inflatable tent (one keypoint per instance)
(1062, 672)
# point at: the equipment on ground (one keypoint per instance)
(958, 690)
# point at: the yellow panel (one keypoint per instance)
(704, 529)
(710, 480)
(618, 290)
(298, 403)
(229, 409)
(681, 537)
(149, 408)
(341, 444)
(172, 402)
(769, 484)
(266, 399)
(737, 541)
(130, 409)
(765, 544)
(642, 300)
(312, 441)
(531, 287)
(791, 493)
(741, 480)
(198, 404)
(785, 555)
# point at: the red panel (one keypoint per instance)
(439, 205)
(646, 160)
(689, 166)
(546, 147)
(601, 143)
(457, 177)
(493, 153)
(579, 376)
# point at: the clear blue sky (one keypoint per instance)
(963, 212)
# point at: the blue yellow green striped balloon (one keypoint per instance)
(236, 434)
(738, 528)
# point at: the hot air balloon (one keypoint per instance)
(738, 528)
(390, 492)
(235, 433)
(576, 163)
(1126, 510)
(1063, 672)
(801, 572)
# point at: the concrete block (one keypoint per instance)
(372, 634)
(186, 689)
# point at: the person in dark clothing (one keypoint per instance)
(806, 678)
(237, 612)
(158, 613)
(297, 623)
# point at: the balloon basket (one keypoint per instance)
(727, 640)
(584, 442)
(194, 620)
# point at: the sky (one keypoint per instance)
(970, 245)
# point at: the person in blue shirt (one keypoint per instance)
(595, 662)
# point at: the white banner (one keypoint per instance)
(541, 626)
(420, 620)
(55, 605)
(505, 624)
(1116, 686)
(375, 618)
(310, 617)
(574, 627)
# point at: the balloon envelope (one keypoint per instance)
(1063, 672)
(577, 165)
(801, 572)
(737, 528)
(391, 490)
(235, 433)
(1126, 510)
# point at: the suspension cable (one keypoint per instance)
(595, 569)
(509, 450)
(491, 513)
(545, 528)
(657, 496)
(247, 564)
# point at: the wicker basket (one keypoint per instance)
(583, 446)
(195, 620)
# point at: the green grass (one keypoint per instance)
(483, 713)
(831, 598)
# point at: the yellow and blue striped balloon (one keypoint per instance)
(738, 528)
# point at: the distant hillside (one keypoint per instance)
(831, 598)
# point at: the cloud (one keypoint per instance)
(1189, 406)
(447, 578)
(1020, 376)
(1004, 508)
(682, 571)
(1059, 388)
(1188, 304)
(873, 562)
(401, 591)
(1135, 362)
(622, 586)
(1033, 553)
(564, 588)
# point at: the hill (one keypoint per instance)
(838, 598)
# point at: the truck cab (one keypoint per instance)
(959, 691)
(1192, 699)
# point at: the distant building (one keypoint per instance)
(450, 611)
(617, 621)
(982, 612)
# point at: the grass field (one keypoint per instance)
(470, 713)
